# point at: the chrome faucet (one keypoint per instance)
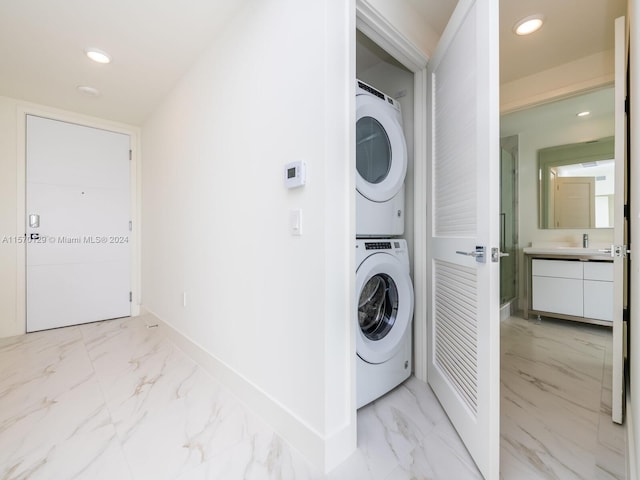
(585, 240)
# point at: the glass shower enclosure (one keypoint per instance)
(509, 219)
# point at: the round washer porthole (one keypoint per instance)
(385, 307)
(378, 307)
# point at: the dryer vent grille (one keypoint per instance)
(371, 90)
(456, 329)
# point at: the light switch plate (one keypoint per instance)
(295, 222)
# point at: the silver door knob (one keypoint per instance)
(478, 254)
(496, 254)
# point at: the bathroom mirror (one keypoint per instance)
(576, 185)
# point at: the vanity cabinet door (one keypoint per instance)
(598, 290)
(598, 300)
(558, 295)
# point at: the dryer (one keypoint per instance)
(384, 294)
(381, 164)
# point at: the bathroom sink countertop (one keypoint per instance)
(567, 250)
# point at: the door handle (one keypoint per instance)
(478, 254)
(616, 251)
(496, 254)
(34, 220)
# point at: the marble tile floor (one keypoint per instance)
(556, 402)
(117, 400)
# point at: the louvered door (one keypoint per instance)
(463, 323)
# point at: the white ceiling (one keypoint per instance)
(573, 29)
(154, 42)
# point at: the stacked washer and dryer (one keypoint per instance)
(384, 290)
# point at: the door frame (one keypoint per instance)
(378, 28)
(135, 208)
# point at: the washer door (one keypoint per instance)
(385, 307)
(381, 150)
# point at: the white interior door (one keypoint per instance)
(620, 227)
(78, 211)
(463, 321)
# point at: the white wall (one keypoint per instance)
(571, 78)
(9, 324)
(273, 308)
(542, 135)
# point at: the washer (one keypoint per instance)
(381, 164)
(384, 294)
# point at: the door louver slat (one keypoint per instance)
(456, 331)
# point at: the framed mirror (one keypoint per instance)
(576, 185)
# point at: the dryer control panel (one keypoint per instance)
(381, 245)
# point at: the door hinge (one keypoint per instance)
(130, 297)
(625, 314)
(130, 154)
(626, 211)
(626, 105)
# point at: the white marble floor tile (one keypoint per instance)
(117, 399)
(555, 416)
(263, 456)
(69, 435)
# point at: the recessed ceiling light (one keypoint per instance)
(98, 55)
(583, 114)
(528, 25)
(89, 91)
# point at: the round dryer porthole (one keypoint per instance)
(381, 150)
(385, 307)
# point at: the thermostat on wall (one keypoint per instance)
(294, 174)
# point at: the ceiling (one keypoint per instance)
(154, 42)
(573, 29)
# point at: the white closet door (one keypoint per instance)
(619, 235)
(78, 211)
(464, 320)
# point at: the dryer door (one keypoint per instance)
(385, 307)
(381, 150)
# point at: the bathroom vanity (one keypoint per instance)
(569, 283)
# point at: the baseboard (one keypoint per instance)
(506, 311)
(632, 459)
(323, 452)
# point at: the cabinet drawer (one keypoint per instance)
(558, 295)
(557, 268)
(602, 271)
